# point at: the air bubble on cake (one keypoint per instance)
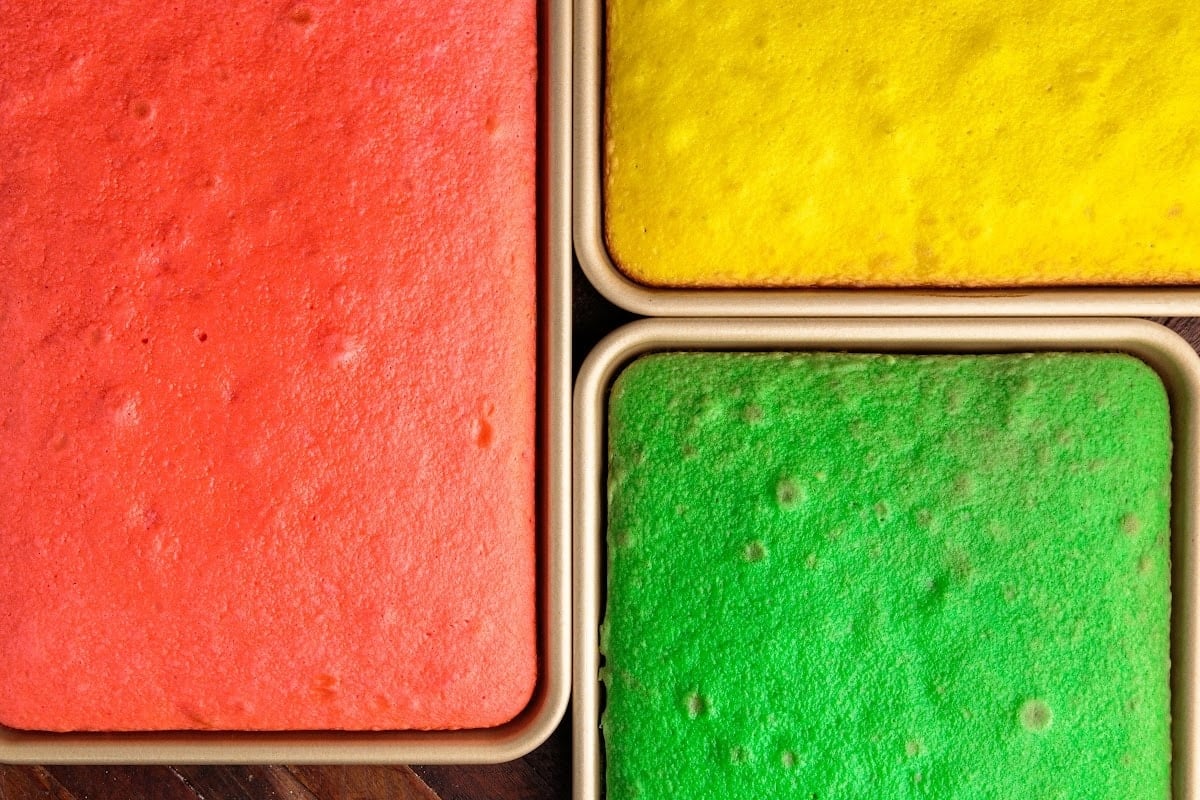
(340, 349)
(695, 704)
(325, 687)
(1035, 715)
(752, 413)
(754, 551)
(141, 516)
(97, 334)
(141, 109)
(481, 432)
(122, 407)
(790, 493)
(300, 15)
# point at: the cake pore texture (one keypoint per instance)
(957, 144)
(836, 575)
(267, 364)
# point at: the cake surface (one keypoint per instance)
(267, 364)
(843, 575)
(962, 143)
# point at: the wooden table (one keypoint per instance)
(544, 774)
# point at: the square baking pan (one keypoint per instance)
(1175, 362)
(548, 703)
(600, 268)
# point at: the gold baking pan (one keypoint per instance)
(539, 719)
(1176, 363)
(599, 266)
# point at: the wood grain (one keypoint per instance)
(122, 783)
(263, 783)
(212, 783)
(364, 783)
(30, 783)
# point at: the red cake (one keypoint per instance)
(267, 354)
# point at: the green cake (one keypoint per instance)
(873, 576)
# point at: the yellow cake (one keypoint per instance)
(868, 143)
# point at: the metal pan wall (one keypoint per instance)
(545, 710)
(1159, 301)
(1169, 355)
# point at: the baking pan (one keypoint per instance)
(539, 719)
(1169, 355)
(1159, 301)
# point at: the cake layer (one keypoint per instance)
(843, 575)
(962, 143)
(267, 364)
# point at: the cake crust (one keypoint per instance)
(862, 143)
(841, 575)
(267, 364)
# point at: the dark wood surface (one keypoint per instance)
(544, 774)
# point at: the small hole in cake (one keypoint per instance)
(695, 704)
(201, 336)
(1131, 524)
(883, 512)
(1036, 715)
(789, 493)
(98, 334)
(301, 15)
(754, 552)
(491, 124)
(340, 348)
(481, 432)
(145, 341)
(140, 109)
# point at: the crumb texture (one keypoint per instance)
(863, 143)
(873, 576)
(267, 353)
